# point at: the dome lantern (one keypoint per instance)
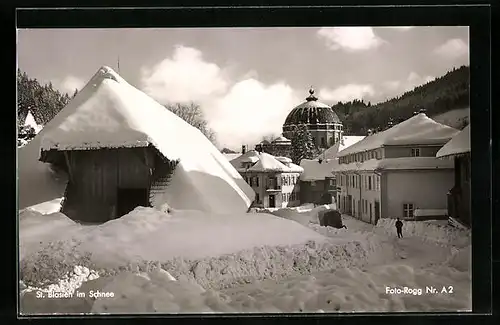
(311, 96)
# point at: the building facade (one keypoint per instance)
(392, 173)
(275, 180)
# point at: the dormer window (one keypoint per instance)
(415, 152)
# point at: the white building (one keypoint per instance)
(392, 173)
(275, 180)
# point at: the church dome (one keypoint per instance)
(312, 112)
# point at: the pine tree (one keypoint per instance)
(302, 144)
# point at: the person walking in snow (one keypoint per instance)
(399, 228)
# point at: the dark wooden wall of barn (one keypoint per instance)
(96, 175)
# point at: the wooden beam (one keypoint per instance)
(68, 165)
(147, 161)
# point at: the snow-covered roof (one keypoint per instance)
(110, 113)
(345, 142)
(419, 129)
(284, 160)
(264, 162)
(315, 171)
(402, 163)
(231, 156)
(30, 121)
(281, 139)
(459, 144)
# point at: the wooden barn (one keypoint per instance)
(107, 183)
(113, 148)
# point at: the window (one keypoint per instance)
(377, 182)
(366, 206)
(369, 182)
(257, 198)
(257, 181)
(323, 142)
(408, 210)
(250, 179)
(415, 152)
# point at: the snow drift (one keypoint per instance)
(110, 113)
(162, 237)
(303, 214)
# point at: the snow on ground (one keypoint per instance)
(322, 269)
(304, 214)
(187, 234)
(436, 231)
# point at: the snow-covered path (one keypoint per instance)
(363, 289)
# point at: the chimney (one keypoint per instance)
(422, 110)
(415, 113)
(370, 132)
(243, 149)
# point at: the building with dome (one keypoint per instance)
(322, 122)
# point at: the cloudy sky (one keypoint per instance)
(248, 79)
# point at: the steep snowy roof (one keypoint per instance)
(315, 171)
(345, 142)
(403, 163)
(418, 129)
(264, 162)
(459, 144)
(110, 113)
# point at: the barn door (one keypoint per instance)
(130, 198)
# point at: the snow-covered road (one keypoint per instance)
(363, 289)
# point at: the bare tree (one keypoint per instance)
(192, 114)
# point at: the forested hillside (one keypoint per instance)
(441, 95)
(43, 100)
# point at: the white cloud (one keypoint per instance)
(240, 109)
(184, 77)
(347, 92)
(350, 38)
(69, 84)
(393, 88)
(251, 110)
(452, 49)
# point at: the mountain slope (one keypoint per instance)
(444, 94)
